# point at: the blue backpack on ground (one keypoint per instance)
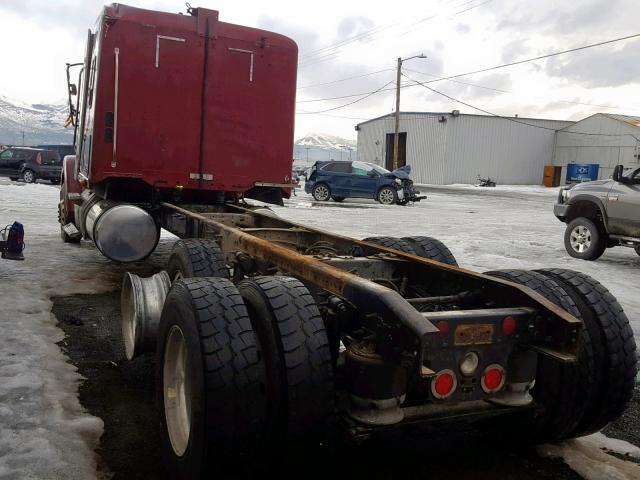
(12, 241)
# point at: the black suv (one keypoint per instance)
(30, 164)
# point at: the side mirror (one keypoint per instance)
(73, 90)
(617, 173)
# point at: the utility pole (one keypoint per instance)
(397, 128)
(23, 138)
(307, 148)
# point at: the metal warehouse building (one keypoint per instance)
(603, 139)
(446, 148)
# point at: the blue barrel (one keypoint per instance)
(582, 172)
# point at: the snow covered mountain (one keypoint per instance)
(321, 146)
(41, 123)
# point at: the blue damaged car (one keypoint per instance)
(345, 179)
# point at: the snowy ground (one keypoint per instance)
(45, 432)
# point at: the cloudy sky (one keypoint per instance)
(339, 39)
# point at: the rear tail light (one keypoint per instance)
(442, 326)
(444, 384)
(508, 325)
(39, 158)
(493, 378)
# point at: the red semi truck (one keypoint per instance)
(266, 331)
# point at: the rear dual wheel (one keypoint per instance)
(242, 367)
(425, 247)
(580, 398)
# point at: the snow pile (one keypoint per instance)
(44, 431)
(588, 457)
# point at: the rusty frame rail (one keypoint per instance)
(369, 297)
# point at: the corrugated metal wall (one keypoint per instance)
(459, 148)
(598, 139)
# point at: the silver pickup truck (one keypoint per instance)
(601, 214)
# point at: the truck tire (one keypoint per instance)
(400, 244)
(387, 196)
(612, 350)
(321, 192)
(296, 355)
(209, 379)
(431, 248)
(196, 257)
(583, 239)
(559, 387)
(28, 176)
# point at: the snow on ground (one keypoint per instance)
(45, 432)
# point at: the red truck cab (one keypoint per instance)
(185, 107)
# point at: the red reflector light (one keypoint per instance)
(444, 384)
(442, 326)
(38, 159)
(493, 378)
(508, 325)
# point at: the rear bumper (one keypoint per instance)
(51, 173)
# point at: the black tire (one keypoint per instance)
(432, 249)
(559, 387)
(13, 179)
(224, 372)
(399, 244)
(321, 192)
(612, 351)
(637, 249)
(337, 199)
(591, 233)
(28, 176)
(55, 181)
(296, 356)
(387, 196)
(196, 257)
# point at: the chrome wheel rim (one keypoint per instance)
(177, 391)
(580, 239)
(322, 193)
(386, 196)
(28, 176)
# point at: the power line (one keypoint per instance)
(508, 91)
(326, 53)
(350, 103)
(510, 118)
(504, 65)
(347, 78)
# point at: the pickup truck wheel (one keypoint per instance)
(584, 239)
(296, 355)
(195, 257)
(321, 192)
(431, 248)
(387, 196)
(559, 388)
(28, 176)
(209, 378)
(612, 350)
